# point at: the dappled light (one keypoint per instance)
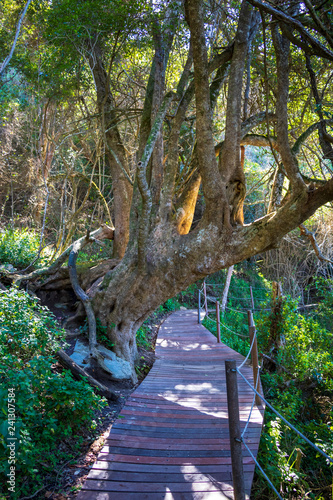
(158, 157)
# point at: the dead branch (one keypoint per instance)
(311, 237)
(79, 373)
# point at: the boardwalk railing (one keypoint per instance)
(237, 438)
(237, 478)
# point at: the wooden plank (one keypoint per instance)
(170, 460)
(164, 468)
(156, 487)
(168, 495)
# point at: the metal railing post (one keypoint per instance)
(254, 355)
(218, 325)
(199, 307)
(234, 430)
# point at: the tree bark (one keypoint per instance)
(226, 289)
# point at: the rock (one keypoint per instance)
(117, 367)
(81, 351)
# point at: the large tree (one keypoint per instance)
(220, 53)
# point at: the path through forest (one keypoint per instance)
(171, 440)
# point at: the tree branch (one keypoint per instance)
(104, 232)
(282, 47)
(211, 179)
(142, 178)
(18, 28)
(229, 160)
(311, 237)
(320, 49)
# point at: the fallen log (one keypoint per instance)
(79, 373)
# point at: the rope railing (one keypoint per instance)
(291, 426)
(251, 410)
(249, 353)
(256, 396)
(237, 439)
(263, 472)
(235, 333)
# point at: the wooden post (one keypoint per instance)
(199, 307)
(218, 326)
(252, 298)
(234, 430)
(254, 355)
(205, 296)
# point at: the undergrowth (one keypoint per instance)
(297, 378)
(49, 406)
(18, 247)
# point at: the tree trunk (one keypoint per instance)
(226, 289)
(158, 253)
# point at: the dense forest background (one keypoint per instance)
(156, 145)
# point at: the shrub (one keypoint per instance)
(142, 339)
(50, 406)
(18, 247)
(306, 350)
(171, 304)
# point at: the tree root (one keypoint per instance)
(78, 315)
(102, 233)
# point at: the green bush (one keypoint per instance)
(303, 350)
(306, 350)
(50, 406)
(171, 304)
(18, 247)
(324, 297)
(142, 337)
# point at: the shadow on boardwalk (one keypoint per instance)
(172, 440)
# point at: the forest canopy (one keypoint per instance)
(145, 116)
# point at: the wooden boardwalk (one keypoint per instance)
(172, 440)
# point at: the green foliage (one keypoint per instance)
(171, 304)
(49, 406)
(231, 323)
(324, 297)
(303, 351)
(281, 467)
(91, 256)
(307, 347)
(18, 247)
(234, 329)
(142, 339)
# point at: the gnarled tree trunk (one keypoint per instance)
(159, 252)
